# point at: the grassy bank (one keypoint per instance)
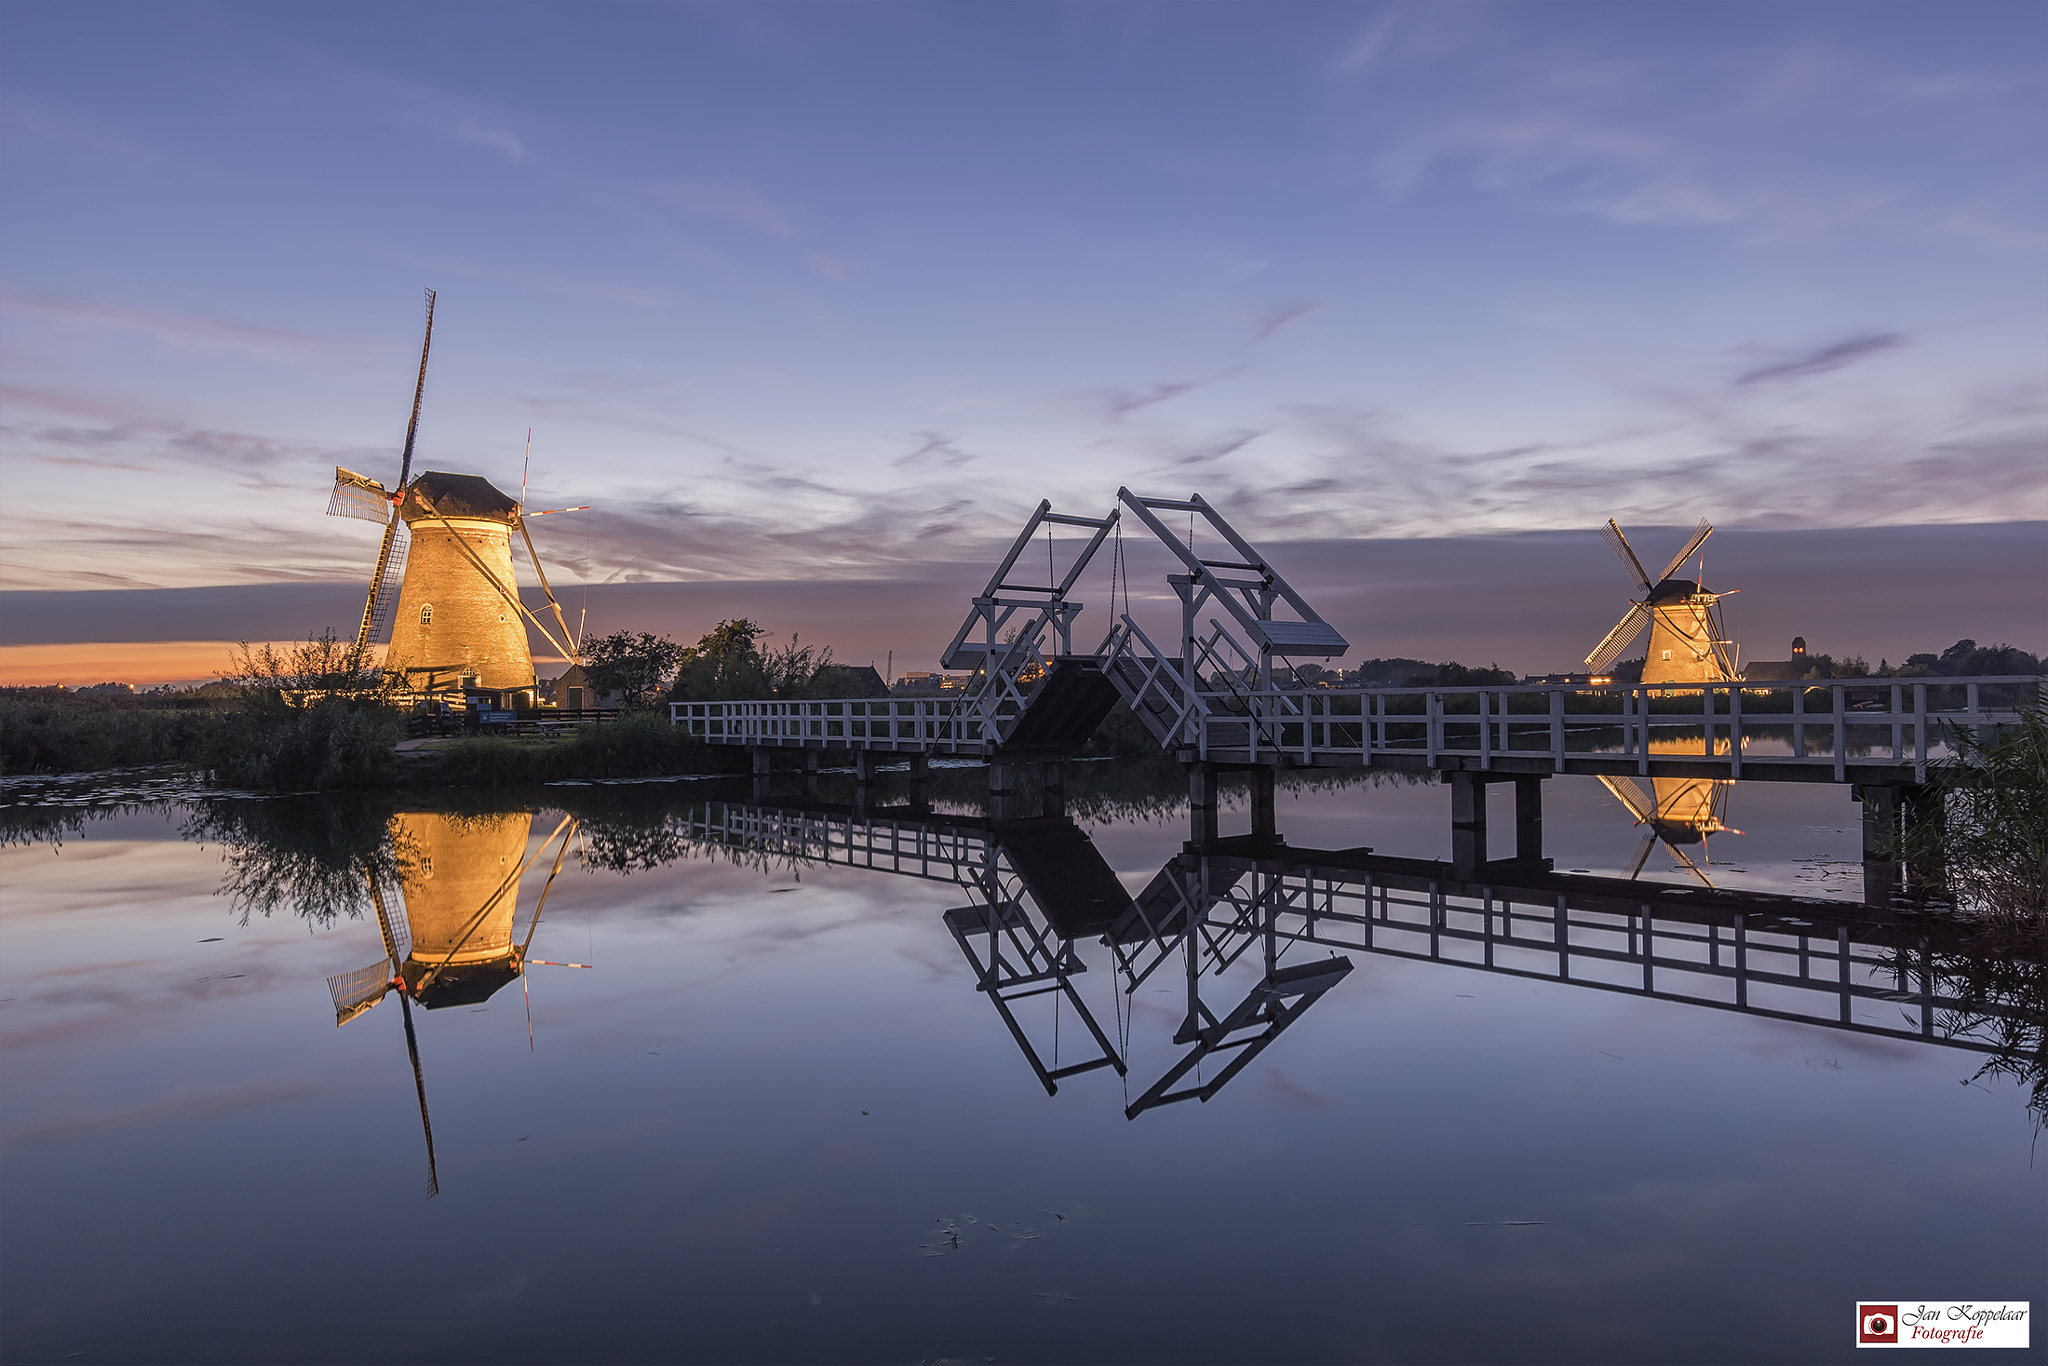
(252, 741)
(636, 745)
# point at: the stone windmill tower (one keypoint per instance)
(443, 592)
(1688, 643)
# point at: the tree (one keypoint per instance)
(725, 665)
(730, 663)
(637, 666)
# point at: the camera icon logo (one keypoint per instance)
(1877, 1323)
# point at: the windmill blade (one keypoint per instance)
(397, 936)
(385, 580)
(1631, 795)
(355, 992)
(419, 391)
(1620, 638)
(419, 1085)
(1689, 865)
(1635, 870)
(1624, 552)
(1699, 538)
(359, 496)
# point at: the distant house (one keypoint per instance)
(1798, 666)
(573, 692)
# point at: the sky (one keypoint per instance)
(814, 304)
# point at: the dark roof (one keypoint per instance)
(1673, 590)
(461, 495)
(461, 984)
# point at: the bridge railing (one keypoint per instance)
(1826, 724)
(1822, 723)
(932, 725)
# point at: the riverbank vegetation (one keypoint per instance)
(1989, 840)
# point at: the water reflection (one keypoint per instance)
(458, 880)
(1249, 934)
(1677, 812)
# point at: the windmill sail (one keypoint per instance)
(359, 496)
(1620, 638)
(355, 992)
(383, 599)
(1630, 794)
(1618, 543)
(1699, 538)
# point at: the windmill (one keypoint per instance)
(1677, 811)
(1688, 643)
(460, 883)
(443, 593)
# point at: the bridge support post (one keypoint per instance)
(1202, 804)
(863, 780)
(1265, 823)
(1002, 777)
(764, 763)
(811, 757)
(921, 781)
(1468, 823)
(1054, 775)
(1528, 818)
(1922, 813)
(1880, 841)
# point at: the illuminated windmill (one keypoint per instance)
(460, 882)
(443, 592)
(1688, 644)
(1677, 811)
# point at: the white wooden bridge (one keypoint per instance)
(1227, 696)
(1226, 693)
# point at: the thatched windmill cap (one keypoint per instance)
(459, 495)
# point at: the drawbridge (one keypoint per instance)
(1226, 689)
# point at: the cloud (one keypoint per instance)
(936, 452)
(1123, 403)
(1281, 317)
(179, 329)
(738, 205)
(458, 120)
(838, 269)
(1819, 362)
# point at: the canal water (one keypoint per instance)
(776, 1118)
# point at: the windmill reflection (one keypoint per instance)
(1678, 812)
(459, 880)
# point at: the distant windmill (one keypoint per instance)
(460, 880)
(1687, 641)
(443, 590)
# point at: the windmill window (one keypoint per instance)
(1667, 654)
(427, 614)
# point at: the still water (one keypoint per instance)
(796, 1110)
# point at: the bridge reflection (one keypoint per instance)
(1290, 920)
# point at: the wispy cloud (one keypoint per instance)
(722, 201)
(935, 451)
(1823, 359)
(179, 329)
